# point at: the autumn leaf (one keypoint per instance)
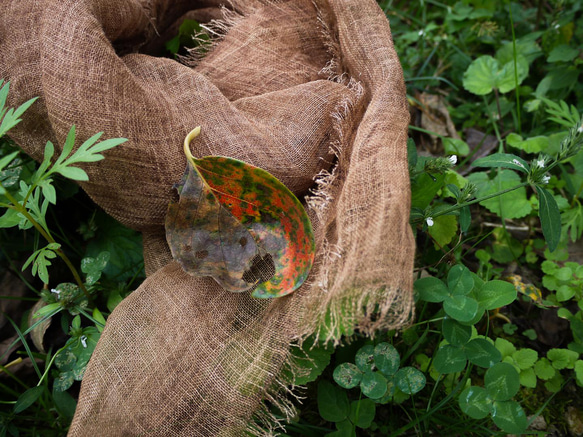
(240, 225)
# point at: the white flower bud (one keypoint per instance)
(429, 221)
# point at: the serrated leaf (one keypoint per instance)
(513, 204)
(525, 358)
(562, 358)
(444, 229)
(528, 378)
(507, 77)
(240, 225)
(481, 76)
(550, 217)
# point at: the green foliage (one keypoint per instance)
(28, 195)
(494, 228)
(500, 386)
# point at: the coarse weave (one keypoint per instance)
(312, 92)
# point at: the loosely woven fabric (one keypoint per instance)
(312, 92)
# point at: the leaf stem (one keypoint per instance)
(191, 136)
(22, 210)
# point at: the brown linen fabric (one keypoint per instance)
(312, 92)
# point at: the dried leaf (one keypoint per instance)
(38, 333)
(240, 225)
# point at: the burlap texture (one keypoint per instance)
(310, 91)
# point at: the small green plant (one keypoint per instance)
(26, 196)
(376, 371)
(495, 399)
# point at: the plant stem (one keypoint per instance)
(471, 202)
(498, 107)
(515, 71)
(22, 210)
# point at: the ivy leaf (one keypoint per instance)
(240, 225)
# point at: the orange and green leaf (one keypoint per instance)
(240, 225)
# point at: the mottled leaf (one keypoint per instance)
(240, 225)
(410, 380)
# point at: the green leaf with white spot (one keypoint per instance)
(460, 280)
(347, 375)
(502, 381)
(410, 380)
(365, 358)
(475, 402)
(495, 294)
(461, 308)
(450, 359)
(373, 385)
(431, 289)
(481, 352)
(455, 333)
(386, 358)
(509, 417)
